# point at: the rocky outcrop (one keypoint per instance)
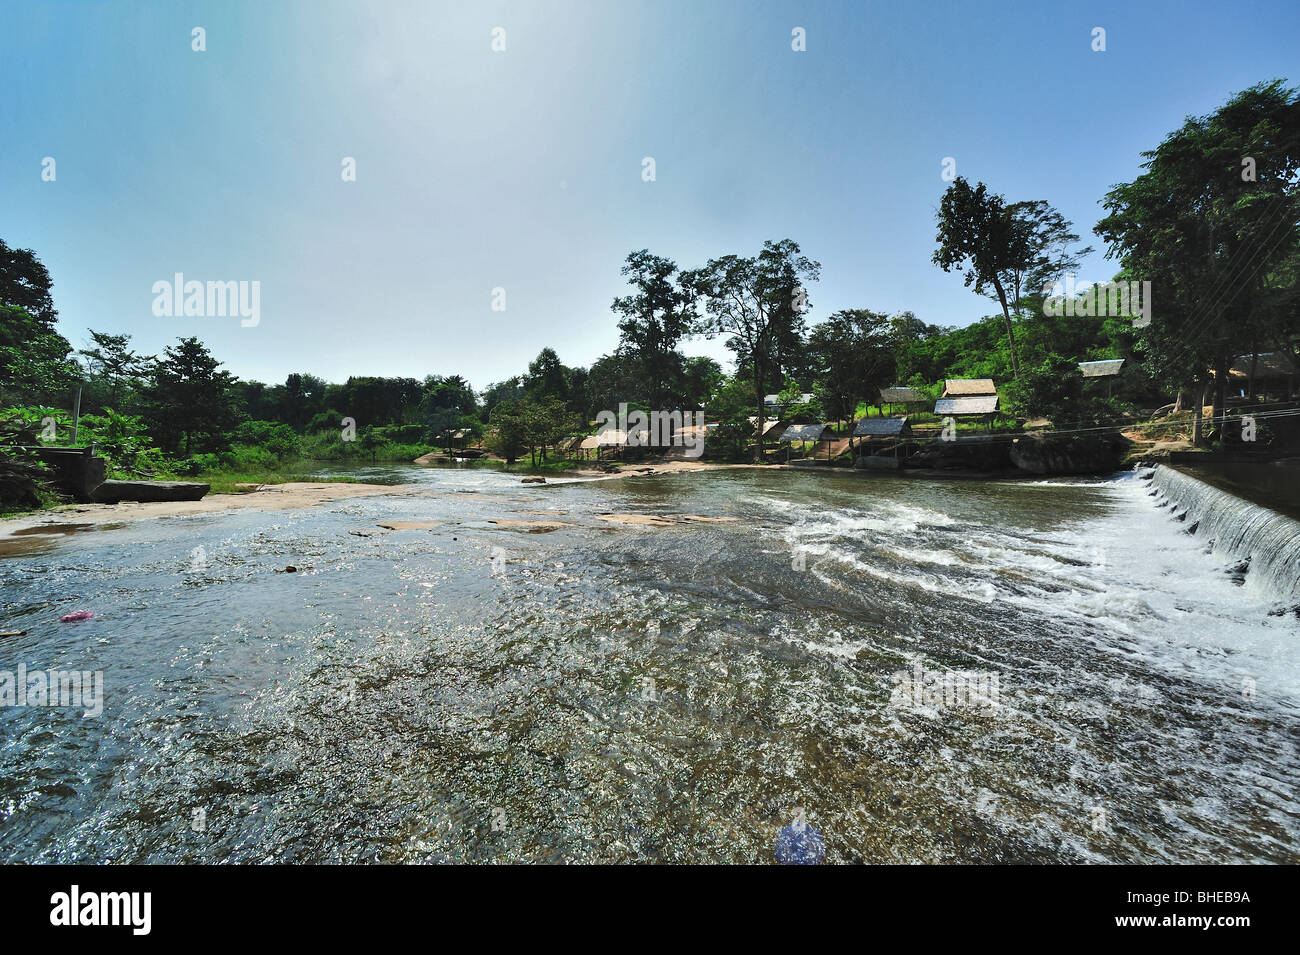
(975, 453)
(434, 457)
(1069, 454)
(113, 492)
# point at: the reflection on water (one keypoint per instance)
(471, 691)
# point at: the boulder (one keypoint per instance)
(1069, 454)
(112, 492)
(976, 453)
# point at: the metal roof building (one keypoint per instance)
(974, 404)
(1101, 369)
(805, 432)
(882, 428)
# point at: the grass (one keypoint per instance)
(227, 482)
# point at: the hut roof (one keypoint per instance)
(973, 404)
(804, 432)
(771, 425)
(881, 428)
(1271, 364)
(963, 387)
(899, 396)
(1101, 369)
(590, 443)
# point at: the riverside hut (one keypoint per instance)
(875, 434)
(804, 434)
(899, 396)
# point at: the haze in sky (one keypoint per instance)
(523, 168)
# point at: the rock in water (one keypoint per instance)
(534, 480)
(114, 492)
(800, 844)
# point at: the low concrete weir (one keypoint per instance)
(1266, 541)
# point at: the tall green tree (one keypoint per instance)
(851, 359)
(1213, 223)
(35, 367)
(978, 237)
(653, 320)
(759, 304)
(189, 400)
(114, 369)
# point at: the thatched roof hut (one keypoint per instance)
(965, 387)
(900, 396)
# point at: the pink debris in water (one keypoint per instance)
(76, 615)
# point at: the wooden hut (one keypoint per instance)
(871, 434)
(968, 398)
(802, 434)
(899, 396)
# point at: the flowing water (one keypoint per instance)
(573, 688)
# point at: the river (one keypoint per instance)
(578, 689)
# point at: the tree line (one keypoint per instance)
(1213, 222)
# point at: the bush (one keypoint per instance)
(280, 440)
(198, 463)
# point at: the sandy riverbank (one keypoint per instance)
(267, 497)
(288, 496)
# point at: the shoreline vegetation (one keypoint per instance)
(1061, 377)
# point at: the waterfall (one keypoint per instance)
(1265, 544)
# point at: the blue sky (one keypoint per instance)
(522, 169)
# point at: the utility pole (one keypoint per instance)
(76, 416)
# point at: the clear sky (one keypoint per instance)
(522, 169)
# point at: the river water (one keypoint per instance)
(577, 689)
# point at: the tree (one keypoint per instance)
(448, 405)
(655, 318)
(977, 234)
(701, 379)
(34, 363)
(25, 283)
(1212, 224)
(759, 304)
(113, 366)
(509, 430)
(189, 400)
(851, 359)
(1042, 250)
(547, 377)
